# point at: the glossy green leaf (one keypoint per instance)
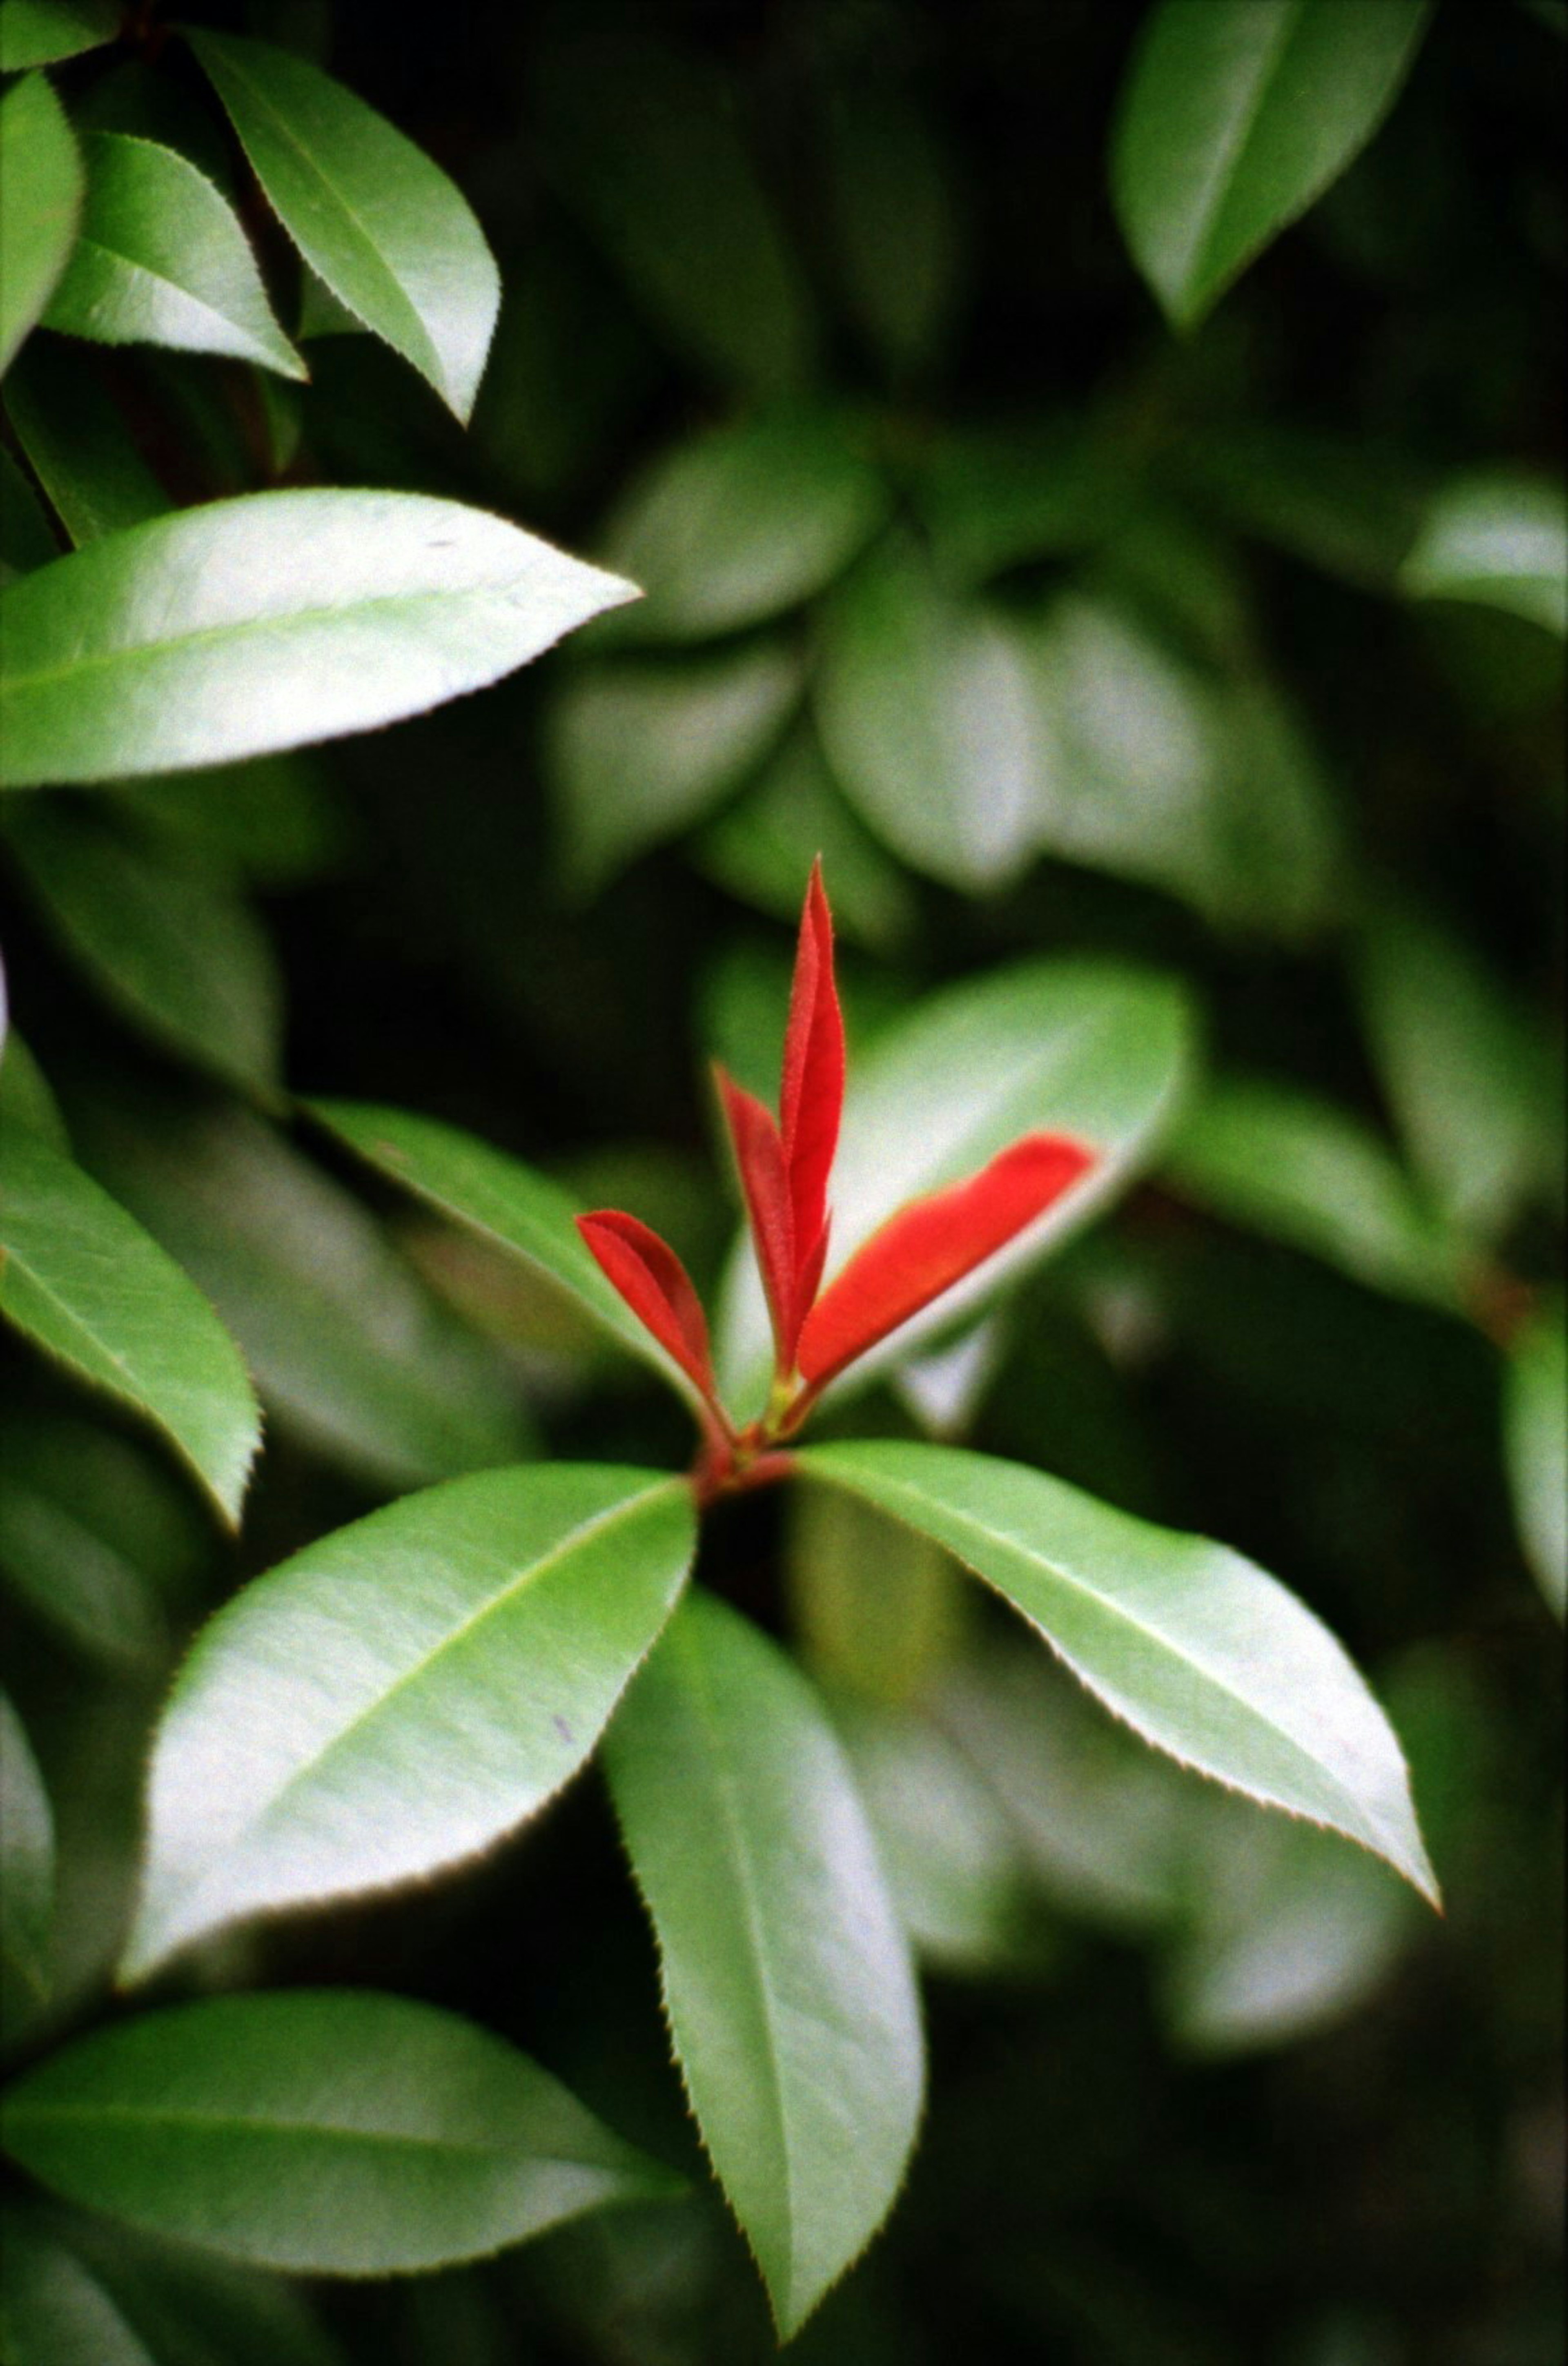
(41, 32)
(270, 621)
(82, 1279)
(42, 174)
(79, 445)
(497, 1197)
(1469, 1077)
(764, 846)
(25, 1098)
(53, 2309)
(645, 141)
(1238, 114)
(785, 1974)
(925, 706)
(1196, 1648)
(1497, 539)
(335, 2132)
(1536, 1433)
(401, 1694)
(742, 523)
(1283, 1163)
(161, 259)
(351, 1353)
(640, 749)
(1078, 1047)
(376, 220)
(166, 942)
(27, 1870)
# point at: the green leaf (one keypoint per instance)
(279, 819)
(896, 238)
(1236, 115)
(764, 845)
(927, 714)
(79, 445)
(161, 259)
(1498, 539)
(43, 176)
(786, 1977)
(1535, 1434)
(82, 1279)
(376, 220)
(503, 1202)
(350, 1351)
(1301, 1171)
(337, 2132)
(27, 1871)
(26, 539)
(166, 941)
(55, 2311)
(42, 32)
(1081, 1047)
(399, 1695)
(193, 2308)
(741, 524)
(638, 750)
(270, 621)
(25, 1099)
(1204, 1655)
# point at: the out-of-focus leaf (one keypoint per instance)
(55, 2311)
(166, 942)
(25, 541)
(1349, 506)
(1497, 539)
(349, 1351)
(83, 1281)
(764, 846)
(43, 174)
(25, 1099)
(93, 1537)
(878, 1609)
(644, 141)
(1469, 1079)
(161, 259)
(1236, 115)
(638, 750)
(521, 1213)
(330, 2132)
(785, 1974)
(193, 2308)
(895, 233)
(1536, 1430)
(79, 445)
(1285, 1163)
(1083, 1048)
(1199, 1650)
(42, 32)
(269, 621)
(27, 1872)
(274, 817)
(992, 498)
(926, 713)
(398, 1697)
(742, 523)
(381, 225)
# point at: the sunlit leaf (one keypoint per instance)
(43, 174)
(785, 1974)
(329, 2132)
(270, 621)
(397, 1696)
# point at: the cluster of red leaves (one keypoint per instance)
(919, 1252)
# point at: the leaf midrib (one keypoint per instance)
(1232, 150)
(203, 304)
(230, 2123)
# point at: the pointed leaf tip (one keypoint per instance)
(932, 1243)
(655, 1285)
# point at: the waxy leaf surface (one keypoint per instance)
(338, 2132)
(42, 174)
(161, 259)
(270, 621)
(1195, 1648)
(786, 1976)
(82, 1279)
(1076, 1047)
(381, 225)
(401, 1694)
(1237, 115)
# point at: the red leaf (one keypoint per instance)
(758, 1155)
(811, 1098)
(932, 1243)
(656, 1286)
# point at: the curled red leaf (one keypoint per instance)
(811, 1094)
(656, 1286)
(931, 1244)
(759, 1156)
